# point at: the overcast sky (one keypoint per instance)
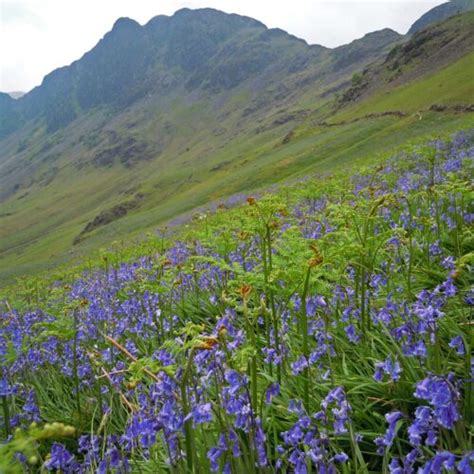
(37, 36)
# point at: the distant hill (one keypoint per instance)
(188, 109)
(441, 12)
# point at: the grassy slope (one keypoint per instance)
(319, 150)
(450, 86)
(39, 231)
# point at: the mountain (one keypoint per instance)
(187, 110)
(194, 50)
(426, 51)
(10, 116)
(440, 13)
(370, 46)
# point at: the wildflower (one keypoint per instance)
(448, 263)
(5, 388)
(61, 459)
(260, 439)
(272, 391)
(389, 367)
(442, 396)
(384, 442)
(30, 408)
(458, 344)
(464, 465)
(296, 406)
(235, 381)
(417, 349)
(299, 365)
(443, 459)
(469, 299)
(214, 455)
(424, 424)
(341, 457)
(170, 416)
(352, 334)
(202, 413)
(340, 410)
(394, 467)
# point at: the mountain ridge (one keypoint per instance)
(441, 13)
(55, 98)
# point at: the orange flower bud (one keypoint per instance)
(245, 291)
(315, 261)
(252, 201)
(207, 343)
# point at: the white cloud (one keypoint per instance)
(37, 36)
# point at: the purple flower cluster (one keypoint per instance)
(267, 342)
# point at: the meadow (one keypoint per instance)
(324, 327)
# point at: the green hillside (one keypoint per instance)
(114, 171)
(450, 87)
(315, 149)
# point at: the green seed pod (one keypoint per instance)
(48, 429)
(57, 427)
(69, 431)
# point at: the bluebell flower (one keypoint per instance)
(214, 455)
(458, 344)
(164, 357)
(469, 298)
(441, 461)
(442, 396)
(352, 334)
(272, 391)
(299, 365)
(5, 388)
(235, 381)
(390, 367)
(435, 249)
(416, 349)
(296, 406)
(394, 467)
(30, 408)
(260, 440)
(465, 464)
(341, 457)
(170, 416)
(424, 424)
(202, 413)
(448, 263)
(61, 459)
(385, 442)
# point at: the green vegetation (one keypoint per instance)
(306, 303)
(452, 85)
(120, 165)
(313, 149)
(321, 327)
